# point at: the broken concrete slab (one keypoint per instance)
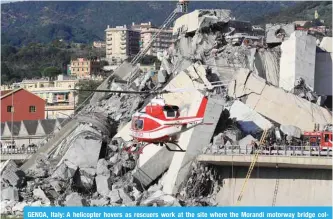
(9, 194)
(6, 207)
(87, 176)
(114, 159)
(103, 184)
(114, 196)
(291, 131)
(39, 194)
(49, 146)
(162, 76)
(218, 140)
(267, 64)
(58, 185)
(326, 44)
(298, 60)
(160, 199)
(99, 202)
(277, 33)
(283, 108)
(191, 22)
(245, 142)
(102, 167)
(66, 170)
(249, 120)
(74, 199)
(84, 151)
(18, 208)
(193, 141)
(9, 174)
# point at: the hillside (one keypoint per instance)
(83, 22)
(301, 11)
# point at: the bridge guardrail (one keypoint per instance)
(19, 150)
(281, 150)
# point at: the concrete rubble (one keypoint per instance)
(90, 166)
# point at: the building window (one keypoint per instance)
(32, 109)
(10, 109)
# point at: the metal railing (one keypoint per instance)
(19, 150)
(282, 150)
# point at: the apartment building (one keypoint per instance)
(60, 99)
(162, 42)
(121, 43)
(99, 44)
(83, 68)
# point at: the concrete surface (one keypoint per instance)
(51, 144)
(271, 30)
(267, 63)
(276, 104)
(269, 161)
(278, 187)
(297, 60)
(84, 150)
(190, 22)
(323, 76)
(19, 157)
(193, 141)
(249, 120)
(326, 44)
(8, 173)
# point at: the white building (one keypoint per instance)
(121, 43)
(162, 42)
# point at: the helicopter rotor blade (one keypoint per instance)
(123, 91)
(173, 90)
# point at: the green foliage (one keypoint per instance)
(51, 72)
(86, 85)
(31, 60)
(301, 11)
(83, 22)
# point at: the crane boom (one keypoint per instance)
(254, 160)
(181, 8)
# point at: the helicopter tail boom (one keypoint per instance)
(202, 108)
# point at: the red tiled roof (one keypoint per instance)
(3, 92)
(6, 93)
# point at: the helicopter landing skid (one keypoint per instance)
(174, 150)
(135, 148)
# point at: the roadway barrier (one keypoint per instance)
(19, 150)
(281, 150)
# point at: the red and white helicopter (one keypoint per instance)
(160, 123)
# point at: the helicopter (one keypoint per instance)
(160, 123)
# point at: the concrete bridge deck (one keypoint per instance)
(269, 161)
(284, 157)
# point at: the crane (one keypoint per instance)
(248, 175)
(182, 6)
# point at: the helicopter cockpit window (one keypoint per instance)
(327, 138)
(171, 111)
(139, 124)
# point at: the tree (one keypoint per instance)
(86, 85)
(51, 72)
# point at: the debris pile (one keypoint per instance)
(92, 168)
